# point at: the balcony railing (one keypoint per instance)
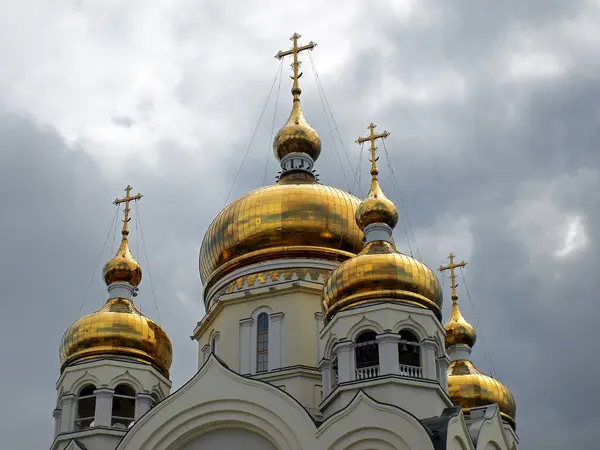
(365, 373)
(410, 371)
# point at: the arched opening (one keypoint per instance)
(86, 407)
(262, 343)
(367, 355)
(334, 371)
(123, 406)
(409, 354)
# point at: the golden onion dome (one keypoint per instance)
(117, 329)
(297, 136)
(468, 387)
(458, 330)
(297, 217)
(376, 208)
(381, 273)
(123, 267)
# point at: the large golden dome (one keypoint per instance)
(297, 217)
(379, 272)
(117, 329)
(468, 387)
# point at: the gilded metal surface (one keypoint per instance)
(293, 218)
(276, 276)
(381, 272)
(119, 329)
(458, 330)
(376, 207)
(468, 387)
(123, 267)
(296, 136)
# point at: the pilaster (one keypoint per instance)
(443, 363)
(67, 422)
(325, 367)
(245, 345)
(205, 352)
(102, 416)
(57, 414)
(388, 353)
(275, 341)
(429, 349)
(345, 352)
(319, 322)
(144, 403)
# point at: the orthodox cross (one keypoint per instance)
(127, 199)
(296, 64)
(451, 267)
(371, 138)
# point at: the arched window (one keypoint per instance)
(123, 406)
(262, 343)
(86, 407)
(409, 354)
(367, 355)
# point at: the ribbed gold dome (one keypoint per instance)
(123, 267)
(458, 330)
(297, 136)
(118, 329)
(297, 217)
(381, 273)
(376, 208)
(468, 387)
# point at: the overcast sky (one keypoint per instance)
(493, 110)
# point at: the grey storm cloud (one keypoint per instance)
(517, 160)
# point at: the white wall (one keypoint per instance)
(229, 438)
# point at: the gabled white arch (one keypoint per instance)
(412, 325)
(126, 378)
(85, 379)
(363, 324)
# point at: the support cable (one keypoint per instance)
(485, 347)
(253, 136)
(270, 146)
(137, 210)
(397, 189)
(137, 242)
(358, 172)
(87, 292)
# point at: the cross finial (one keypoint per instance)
(127, 199)
(371, 138)
(295, 50)
(453, 266)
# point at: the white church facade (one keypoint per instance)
(318, 334)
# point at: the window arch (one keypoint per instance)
(262, 343)
(409, 349)
(367, 355)
(123, 406)
(86, 407)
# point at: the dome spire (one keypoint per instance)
(123, 267)
(297, 145)
(376, 210)
(458, 330)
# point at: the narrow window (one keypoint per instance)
(123, 407)
(262, 343)
(367, 355)
(86, 408)
(409, 354)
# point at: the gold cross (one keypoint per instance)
(372, 139)
(128, 198)
(453, 266)
(296, 91)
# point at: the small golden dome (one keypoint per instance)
(117, 329)
(297, 136)
(458, 330)
(376, 208)
(297, 217)
(122, 267)
(381, 273)
(468, 388)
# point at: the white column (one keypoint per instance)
(325, 368)
(429, 349)
(67, 422)
(246, 345)
(102, 417)
(345, 352)
(276, 341)
(57, 414)
(319, 321)
(443, 363)
(388, 353)
(144, 403)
